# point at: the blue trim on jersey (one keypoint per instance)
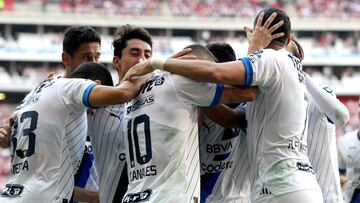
(86, 95)
(221, 157)
(248, 71)
(208, 181)
(218, 94)
(243, 106)
(83, 173)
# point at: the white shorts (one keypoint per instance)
(308, 196)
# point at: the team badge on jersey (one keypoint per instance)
(255, 56)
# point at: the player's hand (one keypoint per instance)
(184, 54)
(261, 36)
(139, 69)
(91, 112)
(5, 132)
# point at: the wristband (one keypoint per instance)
(157, 64)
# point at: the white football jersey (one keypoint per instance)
(87, 176)
(322, 152)
(349, 158)
(224, 166)
(109, 150)
(76, 132)
(277, 131)
(42, 168)
(161, 134)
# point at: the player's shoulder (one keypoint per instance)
(69, 80)
(269, 55)
(328, 89)
(349, 137)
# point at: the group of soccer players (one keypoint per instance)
(146, 143)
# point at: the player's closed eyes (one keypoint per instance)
(147, 55)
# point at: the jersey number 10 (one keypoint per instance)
(132, 133)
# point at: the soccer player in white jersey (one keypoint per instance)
(131, 44)
(161, 135)
(323, 112)
(277, 132)
(41, 164)
(80, 44)
(349, 159)
(224, 163)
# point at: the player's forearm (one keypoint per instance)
(225, 116)
(233, 94)
(331, 106)
(105, 95)
(205, 71)
(222, 115)
(84, 195)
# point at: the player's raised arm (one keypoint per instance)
(331, 106)
(233, 73)
(225, 116)
(102, 95)
(233, 94)
(261, 36)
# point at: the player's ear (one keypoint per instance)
(97, 82)
(288, 40)
(116, 63)
(65, 59)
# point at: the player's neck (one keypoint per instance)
(275, 46)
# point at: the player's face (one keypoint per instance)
(87, 52)
(135, 51)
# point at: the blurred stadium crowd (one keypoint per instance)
(203, 8)
(328, 45)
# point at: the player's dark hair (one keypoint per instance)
(298, 50)
(222, 51)
(76, 35)
(128, 32)
(281, 15)
(201, 52)
(93, 71)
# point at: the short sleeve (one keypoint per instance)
(261, 69)
(197, 93)
(75, 93)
